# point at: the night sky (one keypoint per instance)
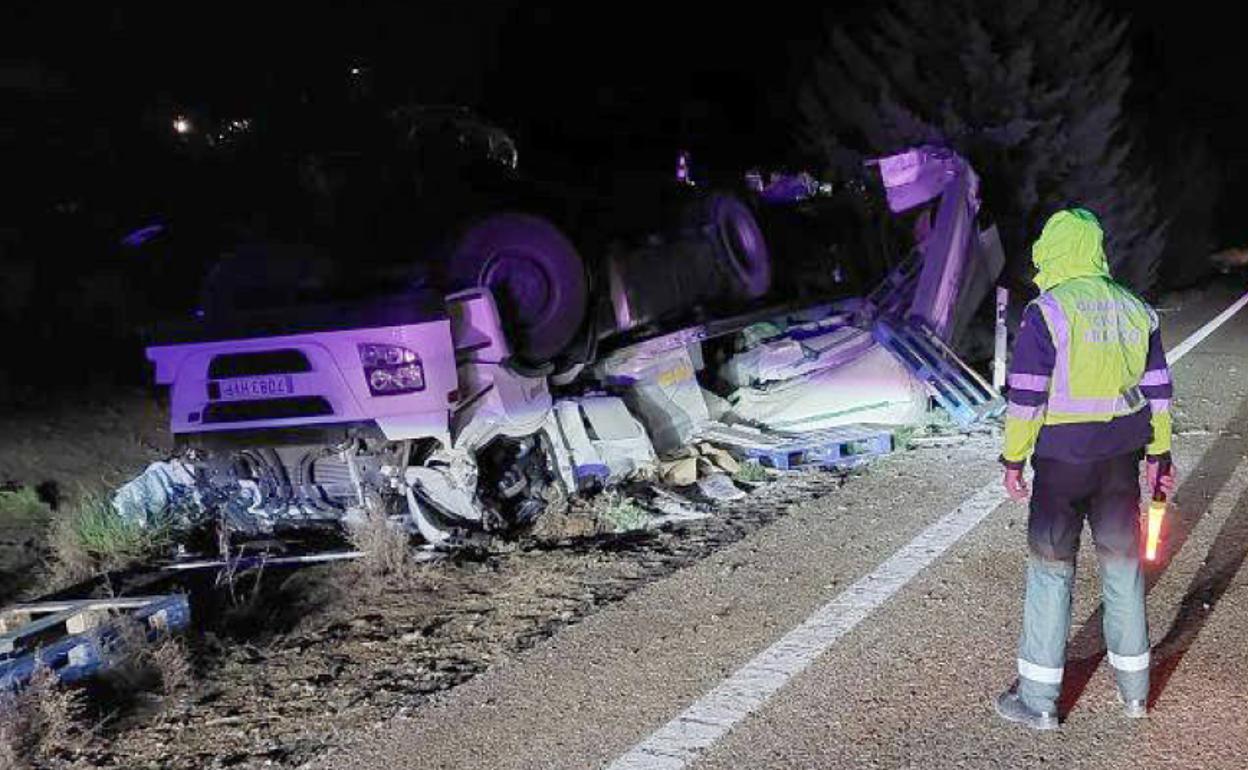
(583, 86)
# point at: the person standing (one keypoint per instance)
(1089, 397)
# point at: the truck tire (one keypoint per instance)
(535, 274)
(738, 242)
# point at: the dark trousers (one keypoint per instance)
(1107, 494)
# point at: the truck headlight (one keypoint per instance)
(391, 370)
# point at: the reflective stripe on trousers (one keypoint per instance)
(1046, 624)
(1106, 493)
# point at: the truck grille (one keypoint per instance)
(332, 471)
(267, 409)
(286, 361)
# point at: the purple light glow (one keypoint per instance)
(142, 235)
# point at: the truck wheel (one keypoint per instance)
(535, 274)
(738, 242)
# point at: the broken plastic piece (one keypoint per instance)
(606, 443)
(794, 354)
(718, 486)
(662, 391)
(162, 490)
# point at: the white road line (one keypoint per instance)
(679, 742)
(1199, 335)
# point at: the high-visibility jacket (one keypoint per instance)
(1088, 378)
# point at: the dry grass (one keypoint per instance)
(47, 724)
(387, 550)
(22, 508)
(169, 658)
(137, 664)
(42, 724)
(91, 538)
(24, 522)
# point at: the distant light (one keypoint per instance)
(682, 168)
(355, 70)
(182, 125)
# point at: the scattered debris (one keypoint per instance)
(688, 464)
(605, 442)
(931, 442)
(165, 489)
(792, 352)
(673, 506)
(76, 638)
(872, 388)
(679, 471)
(719, 486)
(659, 384)
(248, 562)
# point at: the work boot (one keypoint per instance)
(1011, 708)
(1134, 708)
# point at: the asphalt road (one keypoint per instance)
(911, 684)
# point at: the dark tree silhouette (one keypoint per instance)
(1030, 92)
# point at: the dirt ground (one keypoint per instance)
(64, 451)
(285, 664)
(283, 670)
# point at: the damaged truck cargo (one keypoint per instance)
(417, 407)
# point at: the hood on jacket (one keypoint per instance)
(1070, 246)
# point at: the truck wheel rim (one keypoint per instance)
(520, 286)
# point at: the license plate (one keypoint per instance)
(256, 387)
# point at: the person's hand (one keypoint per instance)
(1158, 480)
(1015, 487)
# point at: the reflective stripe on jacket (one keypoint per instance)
(1088, 358)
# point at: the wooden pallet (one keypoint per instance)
(895, 293)
(843, 447)
(957, 388)
(73, 637)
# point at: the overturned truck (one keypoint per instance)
(430, 407)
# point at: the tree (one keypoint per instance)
(1192, 181)
(1029, 92)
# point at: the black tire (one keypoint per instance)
(738, 242)
(535, 274)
